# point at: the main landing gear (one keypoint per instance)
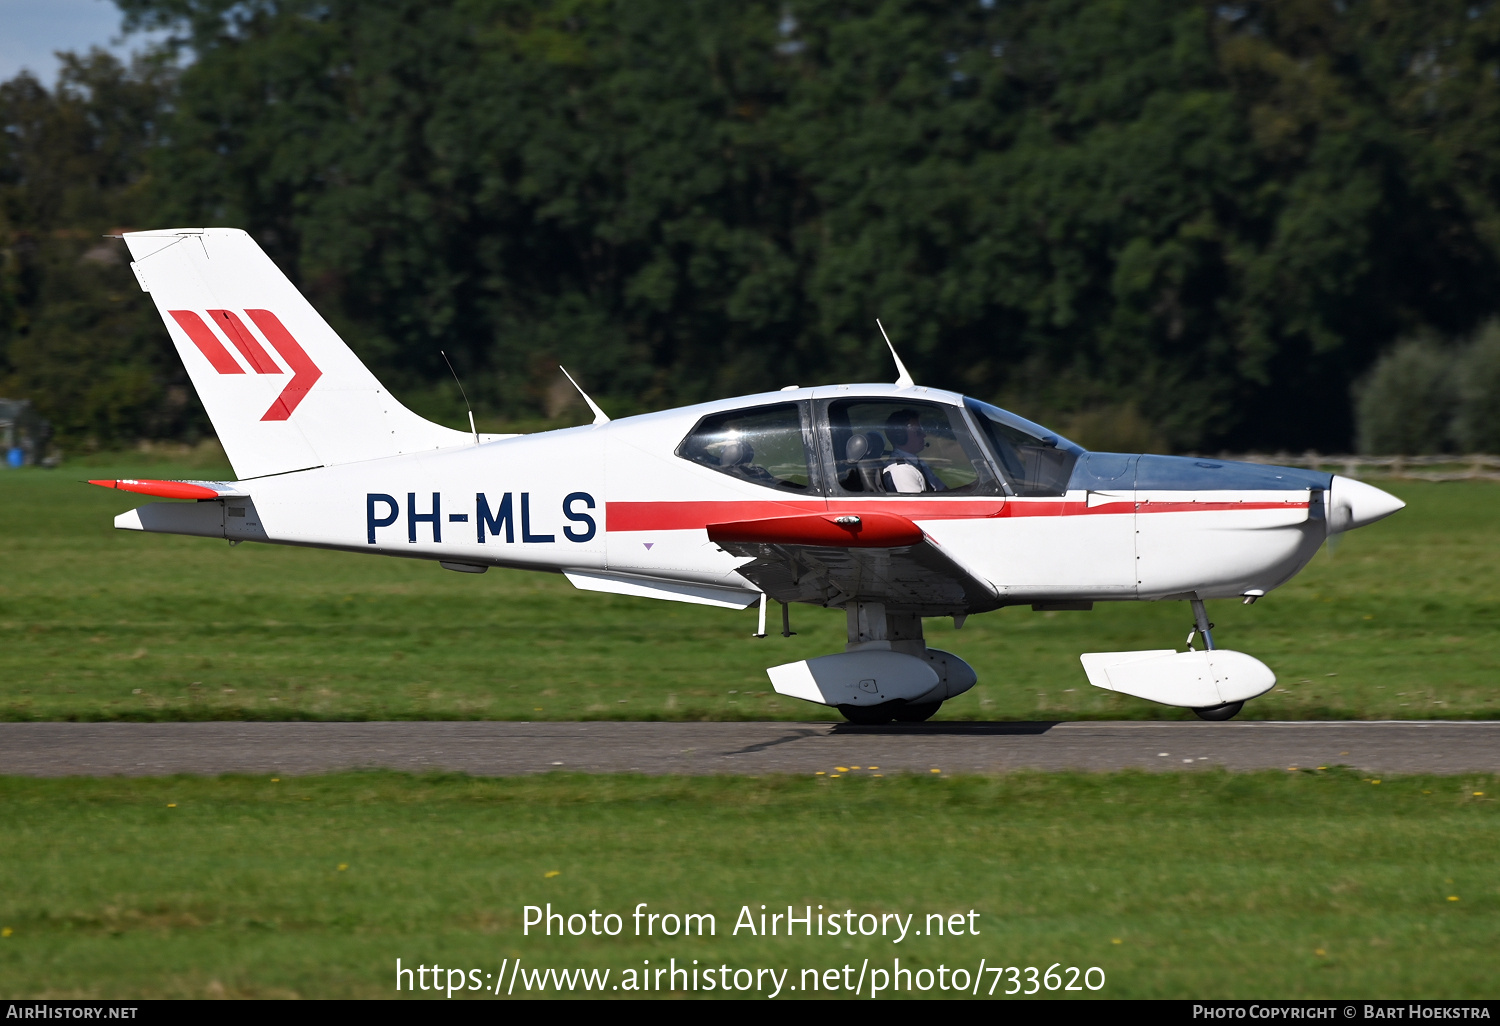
(898, 710)
(885, 673)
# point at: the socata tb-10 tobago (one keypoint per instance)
(893, 502)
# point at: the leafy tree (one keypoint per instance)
(1476, 422)
(1429, 394)
(1167, 219)
(75, 336)
(1406, 403)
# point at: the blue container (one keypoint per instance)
(16, 457)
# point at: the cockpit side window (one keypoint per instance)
(896, 447)
(1035, 461)
(763, 446)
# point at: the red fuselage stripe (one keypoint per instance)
(687, 516)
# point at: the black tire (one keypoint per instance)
(913, 712)
(1227, 711)
(868, 715)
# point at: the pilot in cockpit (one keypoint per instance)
(906, 472)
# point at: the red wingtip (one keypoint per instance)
(161, 489)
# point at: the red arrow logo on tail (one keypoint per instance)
(245, 342)
(207, 342)
(305, 373)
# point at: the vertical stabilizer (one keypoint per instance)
(282, 389)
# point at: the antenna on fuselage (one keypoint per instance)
(600, 417)
(474, 430)
(903, 379)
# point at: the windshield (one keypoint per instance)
(1035, 461)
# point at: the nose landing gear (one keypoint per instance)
(1201, 627)
(1215, 683)
(1227, 711)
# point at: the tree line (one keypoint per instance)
(1154, 224)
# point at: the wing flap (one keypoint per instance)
(919, 578)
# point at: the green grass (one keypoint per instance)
(1400, 622)
(1309, 884)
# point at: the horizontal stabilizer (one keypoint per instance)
(237, 519)
(201, 520)
(178, 489)
(1189, 680)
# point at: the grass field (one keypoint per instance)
(1204, 884)
(1194, 885)
(1400, 622)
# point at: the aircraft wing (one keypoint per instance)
(872, 557)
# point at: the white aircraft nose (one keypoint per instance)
(1354, 504)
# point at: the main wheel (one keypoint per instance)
(868, 715)
(913, 712)
(1226, 711)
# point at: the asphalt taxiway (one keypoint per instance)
(507, 748)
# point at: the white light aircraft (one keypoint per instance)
(892, 502)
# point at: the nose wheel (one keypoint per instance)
(1226, 711)
(1204, 629)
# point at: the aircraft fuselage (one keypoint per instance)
(618, 499)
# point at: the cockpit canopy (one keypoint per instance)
(765, 445)
(883, 446)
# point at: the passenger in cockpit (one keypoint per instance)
(906, 472)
